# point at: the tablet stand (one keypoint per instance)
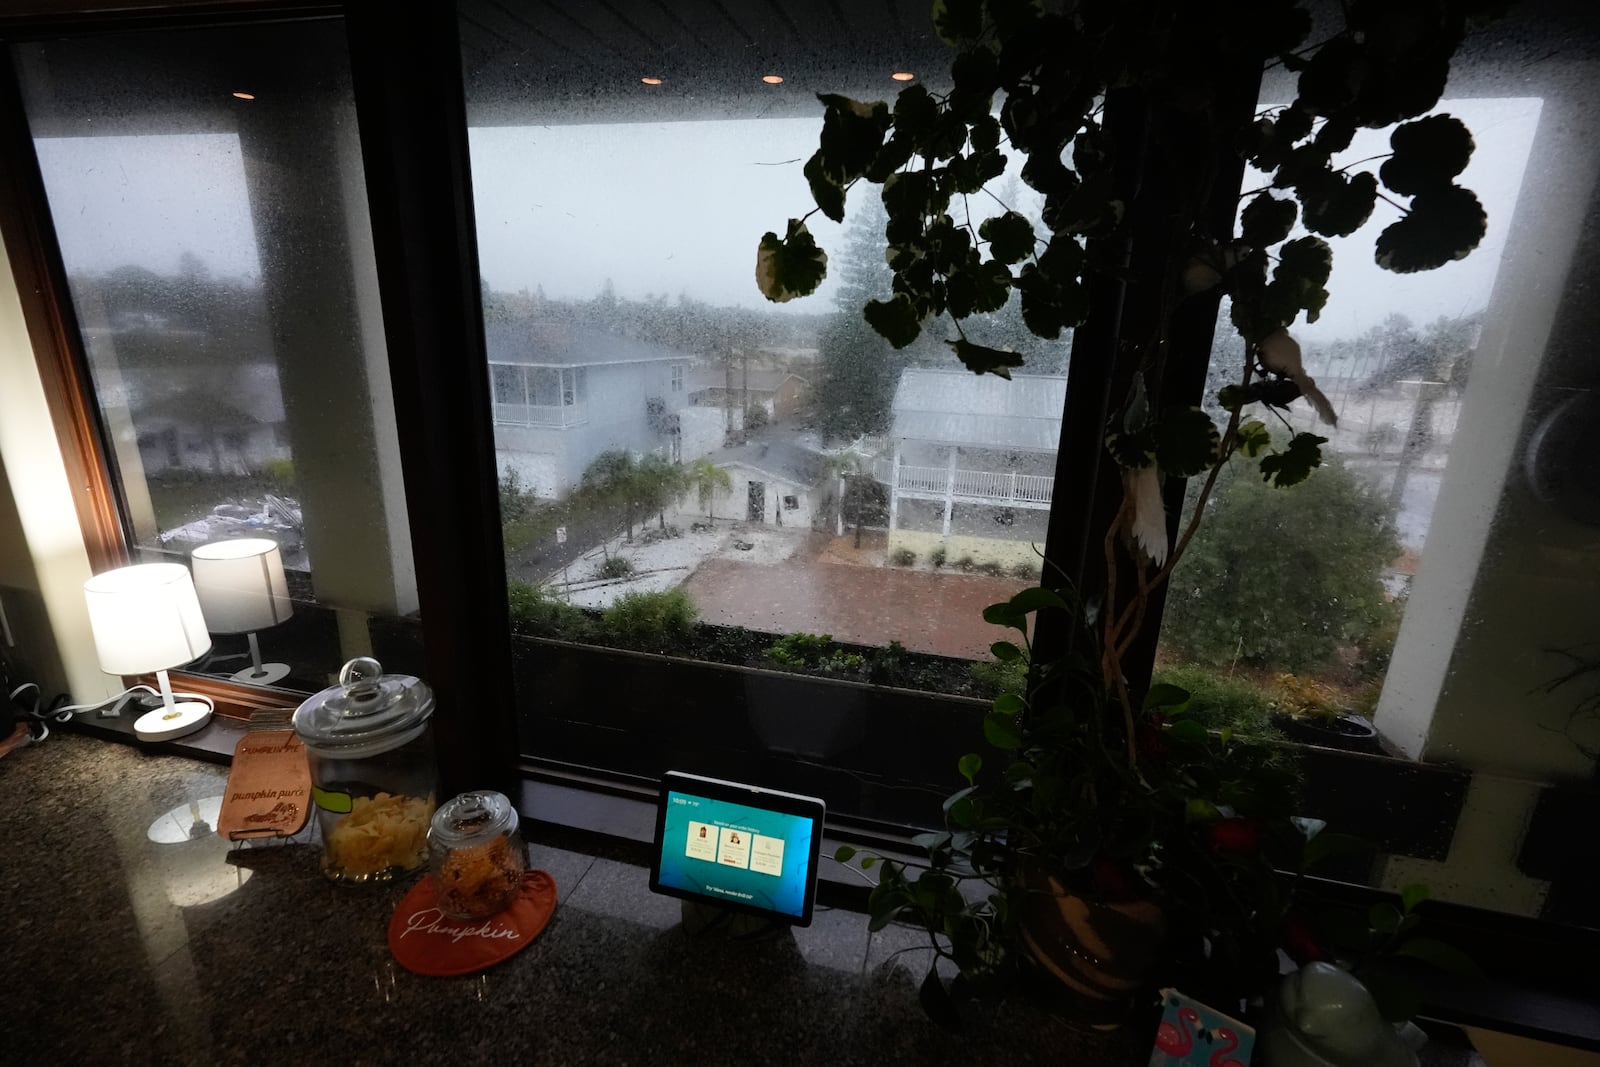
(708, 920)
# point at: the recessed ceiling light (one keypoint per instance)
(772, 79)
(651, 81)
(902, 75)
(245, 96)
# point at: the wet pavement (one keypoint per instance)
(927, 611)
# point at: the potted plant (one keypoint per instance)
(1120, 835)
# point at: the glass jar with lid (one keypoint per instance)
(369, 741)
(478, 855)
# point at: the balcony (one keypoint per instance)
(1000, 488)
(541, 416)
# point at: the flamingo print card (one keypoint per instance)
(1193, 1035)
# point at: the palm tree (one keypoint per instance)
(657, 482)
(708, 479)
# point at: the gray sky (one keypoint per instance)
(667, 208)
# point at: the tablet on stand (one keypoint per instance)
(742, 858)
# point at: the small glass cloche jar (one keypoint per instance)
(477, 855)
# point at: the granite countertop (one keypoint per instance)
(124, 948)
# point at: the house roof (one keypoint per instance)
(558, 344)
(761, 380)
(777, 459)
(980, 411)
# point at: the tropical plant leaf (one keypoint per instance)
(1001, 731)
(1411, 896)
(1005, 651)
(844, 854)
(1445, 957)
(1163, 696)
(970, 765)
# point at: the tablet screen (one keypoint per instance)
(736, 854)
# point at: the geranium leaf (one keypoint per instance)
(791, 267)
(1444, 225)
(1427, 154)
(1295, 463)
(1186, 441)
(828, 194)
(1010, 236)
(981, 359)
(896, 320)
(1336, 206)
(1266, 220)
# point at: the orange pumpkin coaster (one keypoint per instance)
(425, 941)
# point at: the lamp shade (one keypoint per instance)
(241, 585)
(145, 618)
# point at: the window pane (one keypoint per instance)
(206, 188)
(1406, 599)
(744, 484)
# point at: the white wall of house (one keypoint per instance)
(536, 471)
(734, 504)
(611, 413)
(704, 429)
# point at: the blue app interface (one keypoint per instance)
(736, 853)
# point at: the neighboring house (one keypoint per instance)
(779, 392)
(774, 482)
(224, 420)
(973, 463)
(192, 400)
(564, 394)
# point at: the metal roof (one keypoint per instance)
(777, 459)
(558, 344)
(980, 410)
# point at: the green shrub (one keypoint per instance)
(1283, 578)
(1024, 570)
(535, 610)
(1219, 701)
(937, 557)
(993, 568)
(650, 621)
(280, 472)
(991, 678)
(614, 567)
(814, 652)
(903, 557)
(965, 564)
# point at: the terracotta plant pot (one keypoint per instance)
(1096, 952)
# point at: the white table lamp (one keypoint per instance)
(147, 618)
(242, 589)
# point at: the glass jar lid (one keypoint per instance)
(367, 713)
(473, 818)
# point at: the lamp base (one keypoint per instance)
(269, 674)
(165, 724)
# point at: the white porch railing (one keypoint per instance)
(542, 415)
(989, 487)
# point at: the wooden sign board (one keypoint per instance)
(269, 787)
